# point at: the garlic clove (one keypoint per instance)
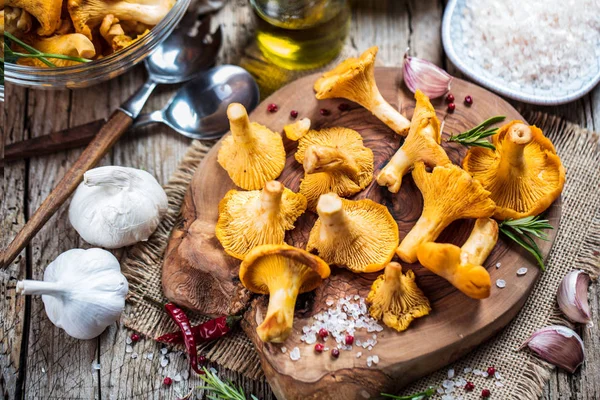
(572, 297)
(558, 345)
(426, 76)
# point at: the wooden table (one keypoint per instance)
(37, 360)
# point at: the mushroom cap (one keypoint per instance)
(474, 280)
(72, 44)
(342, 80)
(253, 156)
(257, 217)
(267, 263)
(396, 299)
(449, 193)
(362, 237)
(297, 130)
(336, 179)
(47, 12)
(524, 174)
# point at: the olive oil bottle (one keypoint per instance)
(301, 34)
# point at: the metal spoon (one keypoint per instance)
(199, 109)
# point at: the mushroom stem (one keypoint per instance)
(388, 114)
(335, 223)
(391, 175)
(270, 198)
(320, 158)
(480, 243)
(278, 322)
(239, 124)
(518, 136)
(425, 230)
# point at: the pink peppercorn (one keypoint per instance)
(167, 381)
(324, 111)
(272, 108)
(349, 340)
(135, 337)
(335, 353)
(450, 98)
(319, 347)
(468, 100)
(485, 393)
(469, 386)
(451, 107)
(294, 114)
(323, 333)
(491, 371)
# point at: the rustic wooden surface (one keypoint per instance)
(204, 272)
(39, 361)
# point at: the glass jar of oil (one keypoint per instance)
(301, 34)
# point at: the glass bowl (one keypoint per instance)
(88, 74)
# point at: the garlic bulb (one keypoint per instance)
(83, 291)
(558, 345)
(572, 297)
(116, 206)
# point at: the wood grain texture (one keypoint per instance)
(392, 24)
(198, 274)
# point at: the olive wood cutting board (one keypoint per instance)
(198, 274)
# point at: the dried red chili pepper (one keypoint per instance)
(210, 330)
(178, 315)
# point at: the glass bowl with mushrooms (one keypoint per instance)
(114, 35)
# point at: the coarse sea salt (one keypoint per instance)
(450, 373)
(295, 354)
(521, 271)
(501, 283)
(538, 44)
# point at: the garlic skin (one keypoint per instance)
(83, 291)
(572, 297)
(117, 206)
(558, 345)
(426, 76)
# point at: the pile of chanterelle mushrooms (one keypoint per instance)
(521, 177)
(80, 28)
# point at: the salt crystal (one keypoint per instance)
(128, 340)
(467, 370)
(295, 354)
(150, 356)
(164, 362)
(329, 302)
(43, 370)
(134, 355)
(521, 271)
(449, 390)
(485, 374)
(128, 349)
(356, 297)
(497, 375)
(440, 391)
(501, 283)
(375, 359)
(164, 350)
(450, 373)
(325, 348)
(95, 366)
(358, 342)
(369, 361)
(498, 383)
(448, 397)
(498, 265)
(477, 372)
(177, 378)
(370, 348)
(358, 354)
(283, 349)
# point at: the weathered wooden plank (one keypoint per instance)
(12, 218)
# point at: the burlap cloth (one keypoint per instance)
(577, 246)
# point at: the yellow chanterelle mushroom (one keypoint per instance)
(73, 44)
(462, 266)
(47, 13)
(354, 79)
(298, 129)
(252, 154)
(359, 235)
(396, 299)
(449, 193)
(421, 144)
(335, 160)
(250, 219)
(282, 272)
(524, 174)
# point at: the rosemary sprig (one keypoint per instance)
(477, 135)
(221, 390)
(35, 53)
(523, 231)
(417, 396)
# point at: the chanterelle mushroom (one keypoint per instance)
(72, 44)
(250, 219)
(449, 193)
(396, 299)
(298, 129)
(282, 272)
(335, 160)
(47, 12)
(88, 14)
(359, 235)
(462, 266)
(421, 144)
(252, 155)
(524, 174)
(354, 79)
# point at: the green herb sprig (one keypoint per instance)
(221, 390)
(417, 396)
(523, 231)
(12, 56)
(477, 135)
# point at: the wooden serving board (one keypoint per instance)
(198, 274)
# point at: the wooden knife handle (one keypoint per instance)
(116, 125)
(70, 138)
